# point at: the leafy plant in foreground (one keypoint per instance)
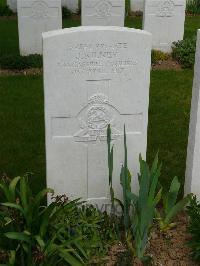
(28, 230)
(145, 204)
(193, 210)
(138, 210)
(170, 206)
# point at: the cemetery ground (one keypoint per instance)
(22, 136)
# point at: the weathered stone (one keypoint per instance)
(192, 180)
(103, 12)
(34, 18)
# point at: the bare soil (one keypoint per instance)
(167, 249)
(167, 65)
(25, 72)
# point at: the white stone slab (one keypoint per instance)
(12, 4)
(165, 20)
(192, 180)
(137, 5)
(34, 18)
(103, 12)
(94, 76)
(71, 5)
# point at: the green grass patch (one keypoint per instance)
(22, 127)
(170, 98)
(22, 146)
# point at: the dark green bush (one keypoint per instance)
(66, 13)
(184, 52)
(194, 228)
(5, 11)
(193, 7)
(20, 62)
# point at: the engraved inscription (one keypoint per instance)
(166, 9)
(39, 10)
(94, 119)
(97, 58)
(103, 9)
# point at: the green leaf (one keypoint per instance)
(72, 260)
(176, 209)
(18, 236)
(23, 192)
(12, 187)
(172, 195)
(15, 206)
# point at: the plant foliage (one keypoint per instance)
(193, 7)
(171, 207)
(63, 233)
(184, 52)
(193, 210)
(20, 62)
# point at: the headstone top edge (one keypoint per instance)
(54, 33)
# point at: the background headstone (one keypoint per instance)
(34, 18)
(103, 12)
(12, 4)
(94, 76)
(72, 5)
(192, 180)
(165, 20)
(137, 5)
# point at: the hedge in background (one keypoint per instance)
(20, 62)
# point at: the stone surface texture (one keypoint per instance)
(93, 77)
(192, 180)
(103, 12)
(34, 18)
(137, 5)
(165, 20)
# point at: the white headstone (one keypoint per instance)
(103, 12)
(192, 180)
(12, 4)
(165, 20)
(34, 18)
(137, 5)
(71, 5)
(94, 76)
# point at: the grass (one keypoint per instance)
(9, 43)
(22, 124)
(22, 127)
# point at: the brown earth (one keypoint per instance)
(25, 72)
(168, 249)
(168, 64)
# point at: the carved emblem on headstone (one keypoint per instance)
(40, 10)
(166, 9)
(103, 9)
(94, 119)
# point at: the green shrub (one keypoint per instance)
(157, 56)
(184, 52)
(193, 7)
(193, 210)
(63, 233)
(20, 62)
(5, 11)
(66, 13)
